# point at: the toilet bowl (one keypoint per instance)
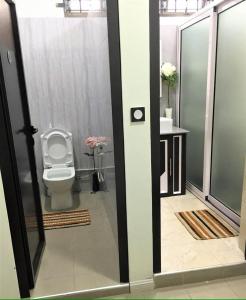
(59, 172)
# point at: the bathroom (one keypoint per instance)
(97, 85)
(196, 185)
(67, 72)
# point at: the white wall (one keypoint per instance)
(134, 39)
(168, 38)
(8, 279)
(173, 20)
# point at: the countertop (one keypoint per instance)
(174, 130)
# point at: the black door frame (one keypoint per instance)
(118, 133)
(154, 38)
(13, 200)
(9, 168)
(27, 118)
(26, 271)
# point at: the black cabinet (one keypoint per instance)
(172, 164)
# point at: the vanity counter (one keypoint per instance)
(173, 131)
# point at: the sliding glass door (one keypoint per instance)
(229, 126)
(193, 86)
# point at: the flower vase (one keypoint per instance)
(169, 112)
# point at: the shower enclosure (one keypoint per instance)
(211, 104)
(229, 126)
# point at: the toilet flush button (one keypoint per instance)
(137, 114)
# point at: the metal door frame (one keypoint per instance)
(231, 216)
(13, 200)
(118, 134)
(206, 13)
(154, 47)
(31, 267)
(211, 12)
(9, 168)
(31, 153)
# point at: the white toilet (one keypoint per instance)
(58, 164)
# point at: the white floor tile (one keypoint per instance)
(211, 290)
(238, 285)
(180, 251)
(80, 257)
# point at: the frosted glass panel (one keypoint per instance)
(229, 134)
(194, 61)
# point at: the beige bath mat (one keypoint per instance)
(66, 219)
(205, 224)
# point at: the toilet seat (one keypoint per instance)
(57, 148)
(58, 174)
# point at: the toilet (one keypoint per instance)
(59, 172)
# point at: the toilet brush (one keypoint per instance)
(95, 181)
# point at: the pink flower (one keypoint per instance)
(95, 141)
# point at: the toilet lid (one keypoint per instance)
(57, 148)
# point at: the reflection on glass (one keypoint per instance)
(194, 61)
(21, 151)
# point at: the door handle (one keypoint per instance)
(33, 130)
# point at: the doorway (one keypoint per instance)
(92, 253)
(169, 232)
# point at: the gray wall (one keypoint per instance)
(68, 82)
(66, 62)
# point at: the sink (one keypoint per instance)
(166, 124)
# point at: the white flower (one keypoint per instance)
(168, 69)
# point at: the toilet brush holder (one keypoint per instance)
(95, 182)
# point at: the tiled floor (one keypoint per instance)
(81, 257)
(180, 251)
(230, 288)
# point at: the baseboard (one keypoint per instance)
(108, 291)
(142, 285)
(199, 275)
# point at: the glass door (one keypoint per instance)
(21, 142)
(229, 125)
(193, 88)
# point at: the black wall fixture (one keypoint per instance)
(137, 114)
